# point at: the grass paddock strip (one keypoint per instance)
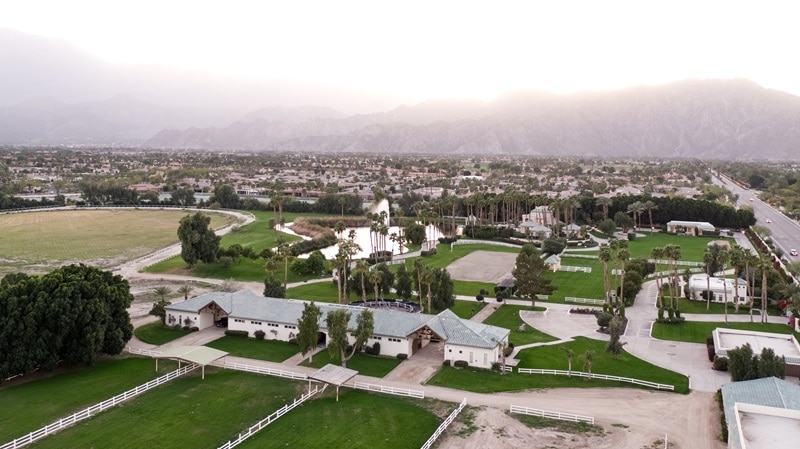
(93, 410)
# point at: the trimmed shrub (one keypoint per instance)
(194, 328)
(720, 364)
(479, 298)
(446, 363)
(402, 356)
(496, 366)
(507, 351)
(431, 252)
(233, 333)
(460, 364)
(376, 348)
(259, 334)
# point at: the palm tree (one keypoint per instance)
(722, 259)
(764, 264)
(185, 290)
(162, 293)
(623, 257)
(362, 270)
(570, 354)
(709, 260)
(650, 206)
(587, 358)
(604, 202)
(605, 256)
(375, 278)
(285, 253)
(339, 228)
(419, 267)
(636, 208)
(737, 259)
(657, 255)
(673, 253)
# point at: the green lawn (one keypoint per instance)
(187, 412)
(553, 357)
(698, 331)
(368, 365)
(578, 284)
(691, 306)
(31, 405)
(269, 350)
(466, 309)
(157, 334)
(507, 316)
(97, 237)
(320, 292)
(360, 420)
(692, 248)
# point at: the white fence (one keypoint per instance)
(555, 372)
(594, 302)
(261, 370)
(579, 256)
(542, 297)
(551, 414)
(94, 409)
(482, 242)
(145, 352)
(390, 390)
(444, 425)
(252, 430)
(575, 269)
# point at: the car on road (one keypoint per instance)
(768, 220)
(793, 252)
(752, 199)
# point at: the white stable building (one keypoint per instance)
(398, 332)
(719, 288)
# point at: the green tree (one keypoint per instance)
(337, 321)
(588, 357)
(226, 197)
(615, 329)
(198, 240)
(442, 291)
(607, 227)
(273, 288)
(183, 197)
(185, 290)
(365, 327)
(415, 233)
(742, 364)
(404, 284)
(361, 270)
(308, 329)
(160, 304)
(531, 276)
(770, 365)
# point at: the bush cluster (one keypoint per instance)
(235, 333)
(460, 364)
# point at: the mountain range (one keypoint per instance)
(53, 93)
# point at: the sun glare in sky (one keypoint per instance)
(437, 49)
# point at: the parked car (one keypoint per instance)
(768, 220)
(222, 322)
(793, 252)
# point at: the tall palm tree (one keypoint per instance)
(673, 253)
(420, 266)
(657, 255)
(605, 256)
(622, 256)
(162, 293)
(737, 260)
(722, 260)
(764, 264)
(650, 206)
(709, 261)
(362, 271)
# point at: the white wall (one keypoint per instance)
(477, 357)
(272, 331)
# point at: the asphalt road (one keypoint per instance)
(785, 231)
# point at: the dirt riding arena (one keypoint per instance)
(483, 266)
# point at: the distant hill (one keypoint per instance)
(705, 119)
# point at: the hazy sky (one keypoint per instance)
(433, 49)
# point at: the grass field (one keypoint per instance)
(31, 405)
(360, 420)
(692, 248)
(698, 331)
(368, 365)
(466, 309)
(553, 357)
(507, 316)
(578, 284)
(269, 350)
(157, 334)
(39, 240)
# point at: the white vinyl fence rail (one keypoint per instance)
(555, 372)
(575, 269)
(390, 390)
(551, 414)
(95, 409)
(444, 425)
(145, 352)
(482, 242)
(252, 430)
(594, 302)
(261, 370)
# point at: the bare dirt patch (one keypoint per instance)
(483, 266)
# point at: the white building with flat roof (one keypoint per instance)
(721, 288)
(784, 345)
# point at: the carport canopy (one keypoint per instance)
(200, 355)
(333, 375)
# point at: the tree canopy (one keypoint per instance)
(69, 315)
(308, 329)
(198, 240)
(531, 274)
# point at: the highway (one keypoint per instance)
(785, 231)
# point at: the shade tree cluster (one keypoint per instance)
(70, 316)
